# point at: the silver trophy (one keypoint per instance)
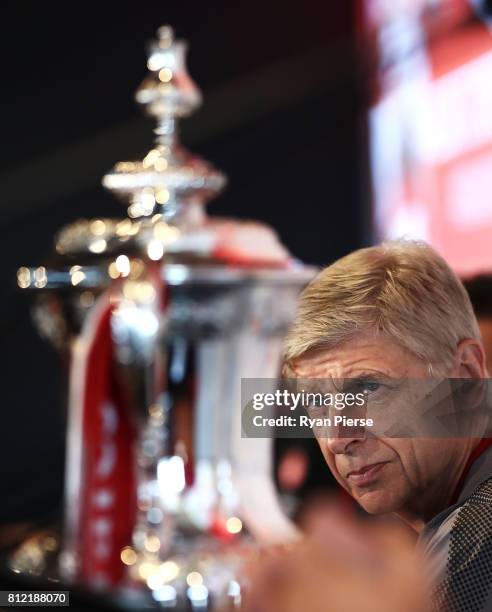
(197, 304)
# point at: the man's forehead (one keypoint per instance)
(361, 354)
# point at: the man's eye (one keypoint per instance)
(370, 386)
(364, 386)
(316, 412)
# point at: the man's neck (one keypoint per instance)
(435, 499)
(415, 524)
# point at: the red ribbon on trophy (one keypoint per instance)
(100, 475)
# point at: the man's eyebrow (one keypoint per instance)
(367, 375)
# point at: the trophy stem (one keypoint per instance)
(166, 131)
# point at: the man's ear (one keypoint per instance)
(470, 359)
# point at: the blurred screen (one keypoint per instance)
(430, 126)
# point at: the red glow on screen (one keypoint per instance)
(430, 133)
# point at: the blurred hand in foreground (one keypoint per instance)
(344, 565)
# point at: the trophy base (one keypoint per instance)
(206, 574)
(204, 577)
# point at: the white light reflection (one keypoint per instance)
(234, 525)
(165, 75)
(155, 250)
(169, 570)
(194, 579)
(165, 233)
(175, 275)
(23, 277)
(123, 265)
(139, 291)
(171, 480)
(98, 227)
(198, 595)
(165, 594)
(135, 210)
(77, 277)
(150, 158)
(139, 319)
(98, 246)
(40, 277)
(154, 582)
(234, 591)
(162, 196)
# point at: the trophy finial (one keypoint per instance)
(166, 36)
(168, 92)
(168, 178)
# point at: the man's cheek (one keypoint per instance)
(338, 473)
(328, 456)
(330, 459)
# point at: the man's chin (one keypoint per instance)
(377, 502)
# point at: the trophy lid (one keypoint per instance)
(95, 236)
(165, 193)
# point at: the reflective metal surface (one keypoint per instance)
(198, 476)
(198, 304)
(168, 176)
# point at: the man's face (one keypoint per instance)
(382, 474)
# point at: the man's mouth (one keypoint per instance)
(367, 474)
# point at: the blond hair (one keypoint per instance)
(402, 289)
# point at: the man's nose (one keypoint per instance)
(340, 446)
(340, 438)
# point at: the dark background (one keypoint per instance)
(283, 117)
